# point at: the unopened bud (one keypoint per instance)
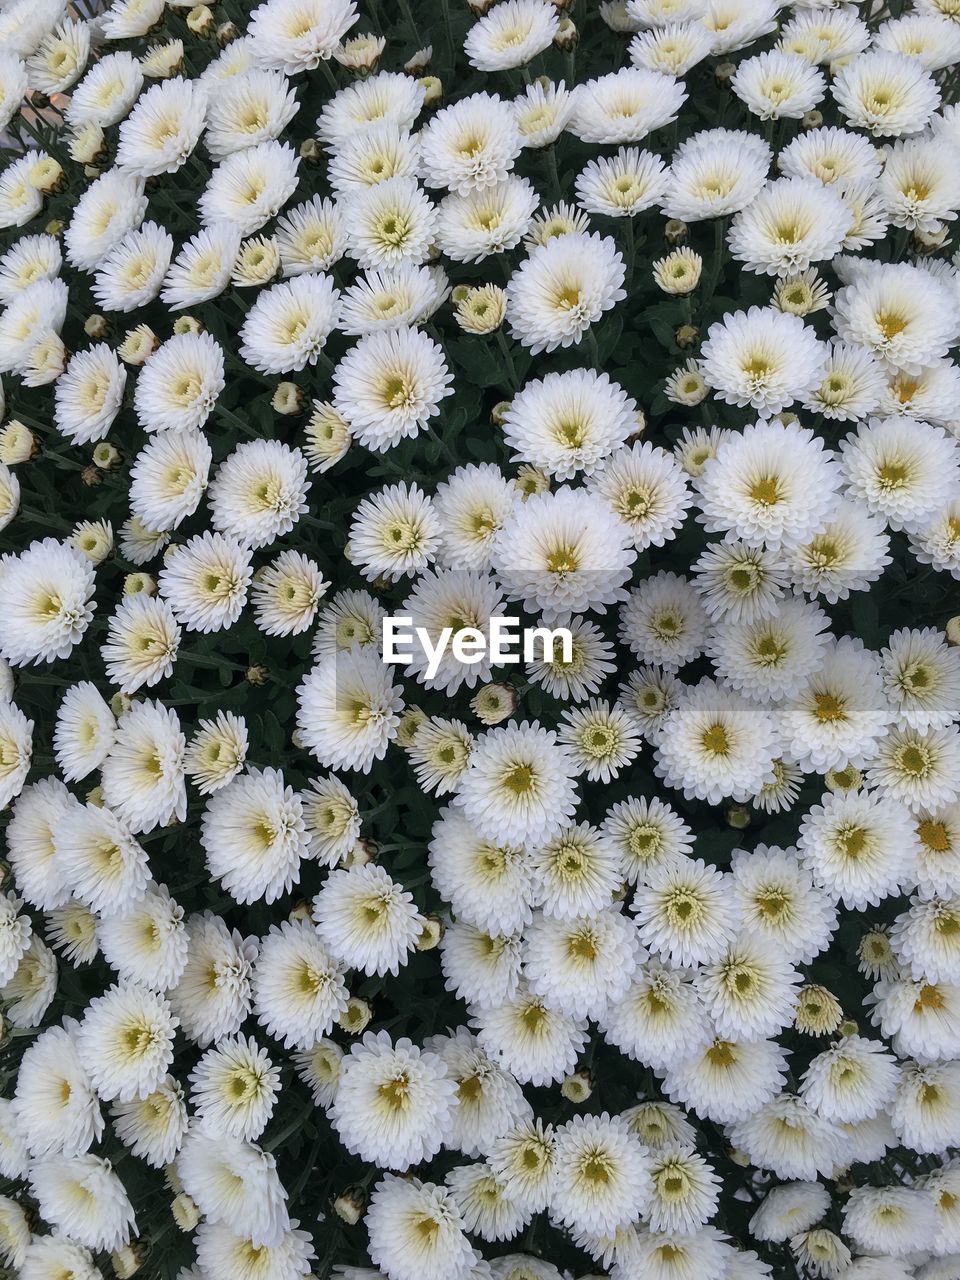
(310, 151)
(46, 175)
(257, 674)
(493, 703)
(361, 853)
(91, 476)
(432, 90)
(106, 455)
(431, 931)
(120, 704)
(567, 34)
(187, 324)
(349, 1205)
(138, 345)
(738, 817)
(577, 1088)
(300, 912)
(288, 399)
(96, 326)
(139, 584)
(812, 120)
(410, 721)
(356, 1017)
(687, 336)
(17, 443)
(185, 1213)
(227, 32)
(724, 72)
(953, 630)
(675, 231)
(126, 1261)
(498, 414)
(200, 20)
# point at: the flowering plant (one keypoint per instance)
(636, 323)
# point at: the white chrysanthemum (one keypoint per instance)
(28, 994)
(450, 600)
(625, 105)
(202, 268)
(390, 223)
(577, 965)
(107, 91)
(828, 39)
(788, 1137)
(164, 127)
(646, 489)
(142, 776)
(101, 863)
(54, 1101)
(853, 384)
(298, 987)
(716, 744)
(89, 394)
(213, 996)
(938, 847)
(569, 422)
(31, 314)
(253, 836)
(250, 187)
(471, 143)
(14, 83)
(648, 833)
(234, 1088)
(535, 1043)
(311, 237)
(168, 478)
(563, 288)
(348, 709)
(685, 1190)
(750, 991)
(28, 261)
(659, 1020)
(389, 385)
(793, 223)
(737, 583)
(153, 1127)
(472, 504)
(488, 884)
(577, 873)
(590, 663)
(393, 1102)
(851, 1081)
(84, 1199)
(936, 540)
(626, 184)
(286, 594)
(486, 220)
(46, 1256)
(770, 658)
(217, 752)
(388, 97)
(111, 206)
(923, 939)
(416, 1230)
(763, 358)
(372, 155)
(778, 86)
(46, 602)
(902, 470)
(840, 715)
(224, 1253)
(685, 912)
(858, 847)
(926, 36)
(15, 934)
(896, 1220)
(146, 942)
(921, 1018)
(920, 770)
(20, 199)
(601, 739)
(480, 968)
(511, 34)
(563, 553)
(125, 1041)
(888, 94)
(205, 582)
(933, 395)
(320, 1067)
(776, 900)
(850, 554)
(391, 298)
(367, 920)
(297, 35)
(29, 838)
(830, 155)
(235, 1183)
(394, 532)
(288, 325)
(715, 173)
(672, 47)
(902, 314)
(259, 492)
(728, 1080)
(142, 642)
(250, 108)
(788, 1209)
(917, 189)
(489, 1103)
(542, 112)
(179, 384)
(924, 1110)
(485, 1205)
(601, 1175)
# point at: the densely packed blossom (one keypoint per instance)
(337, 941)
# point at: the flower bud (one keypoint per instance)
(928, 241)
(87, 144)
(96, 326)
(431, 931)
(410, 721)
(126, 1261)
(577, 1088)
(138, 345)
(139, 584)
(91, 476)
(679, 272)
(530, 480)
(17, 443)
(120, 704)
(299, 912)
(163, 60)
(288, 399)
(419, 61)
(47, 175)
(567, 35)
(675, 231)
(818, 1011)
(687, 336)
(812, 120)
(361, 53)
(953, 630)
(724, 72)
(498, 414)
(257, 674)
(738, 817)
(482, 310)
(362, 853)
(227, 32)
(846, 779)
(349, 1205)
(106, 455)
(187, 324)
(432, 90)
(310, 151)
(95, 797)
(200, 20)
(356, 1017)
(185, 1213)
(494, 702)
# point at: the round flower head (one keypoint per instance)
(30, 846)
(623, 186)
(390, 223)
(392, 1102)
(146, 942)
(153, 1127)
(374, 154)
(133, 271)
(936, 540)
(179, 385)
(472, 504)
(202, 268)
(585, 672)
(111, 206)
(601, 1175)
(83, 1199)
(259, 492)
(886, 93)
(298, 987)
(659, 1020)
(921, 770)
(490, 1103)
(578, 873)
(481, 968)
(30, 991)
(250, 187)
(46, 596)
(750, 991)
(792, 223)
(213, 996)
(777, 901)
(288, 325)
(830, 155)
(737, 583)
(562, 288)
(763, 358)
(163, 128)
(646, 489)
(715, 173)
(142, 642)
(647, 833)
(578, 965)
(672, 48)
(250, 108)
(391, 298)
(234, 1182)
(727, 1080)
(367, 920)
(511, 34)
(395, 532)
(332, 819)
(20, 199)
(788, 1137)
(485, 220)
(107, 91)
(895, 1219)
(536, 1044)
(472, 143)
(206, 582)
(852, 386)
(488, 884)
(311, 237)
(849, 554)
(625, 105)
(684, 1190)
(416, 1229)
(518, 787)
(563, 553)
(54, 1100)
(40, 308)
(788, 1209)
(902, 470)
(253, 835)
(286, 594)
(46, 1254)
(922, 1111)
(125, 1042)
(602, 739)
(850, 1081)
(778, 86)
(27, 261)
(938, 843)
(903, 315)
(859, 848)
(223, 1251)
(348, 710)
(168, 478)
(234, 1088)
(297, 35)
(684, 912)
(770, 658)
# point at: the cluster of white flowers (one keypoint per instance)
(457, 971)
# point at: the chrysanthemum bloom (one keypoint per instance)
(98, 858)
(472, 504)
(897, 1220)
(142, 775)
(770, 658)
(391, 297)
(288, 325)
(206, 582)
(202, 268)
(30, 847)
(750, 991)
(45, 1254)
(46, 602)
(763, 358)
(851, 1081)
(146, 942)
(853, 384)
(647, 833)
(602, 739)
(659, 1020)
(850, 553)
(542, 112)
(886, 93)
(296, 35)
(728, 1080)
(298, 986)
(111, 206)
(394, 533)
(922, 939)
(626, 184)
(168, 478)
(737, 583)
(235, 1183)
(348, 710)
(511, 34)
(37, 310)
(416, 1229)
(923, 1111)
(715, 173)
(646, 488)
(250, 187)
(213, 996)
(785, 1210)
(226, 1253)
(536, 1044)
(489, 884)
(601, 1175)
(902, 470)
(125, 1041)
(938, 851)
(562, 288)
(793, 223)
(472, 143)
(259, 492)
(625, 105)
(251, 108)
(332, 819)
(84, 1199)
(367, 919)
(685, 912)
(234, 1088)
(54, 1100)
(778, 86)
(133, 271)
(480, 968)
(576, 965)
(777, 901)
(489, 1104)
(858, 847)
(142, 641)
(254, 836)
(30, 991)
(905, 316)
(163, 128)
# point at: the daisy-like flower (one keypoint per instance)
(648, 833)
(763, 358)
(562, 288)
(932, 395)
(536, 1044)
(924, 36)
(164, 127)
(213, 996)
(107, 91)
(895, 1219)
(555, 222)
(922, 1111)
(849, 554)
(20, 199)
(484, 1203)
(169, 476)
(35, 311)
(388, 97)
(297, 35)
(30, 846)
(111, 206)
(511, 34)
(250, 187)
(623, 186)
(146, 942)
(348, 710)
(851, 1081)
(389, 385)
(254, 836)
(569, 422)
(685, 1190)
(298, 987)
(852, 386)
(83, 1199)
(206, 581)
(125, 1042)
(132, 272)
(480, 968)
(684, 913)
(259, 492)
(672, 48)
(142, 775)
(225, 1253)
(777, 901)
(921, 677)
(646, 488)
(490, 1103)
(202, 268)
(489, 884)
(153, 1127)
(72, 929)
(27, 261)
(368, 921)
(288, 325)
(750, 992)
(46, 596)
(727, 1080)
(44, 1254)
(577, 965)
(920, 769)
(601, 1175)
(859, 847)
(311, 237)
(320, 1068)
(472, 504)
(542, 112)
(936, 540)
(625, 105)
(332, 819)
(393, 1102)
(250, 108)
(216, 753)
(778, 86)
(234, 1088)
(234, 1182)
(54, 1101)
(601, 739)
(472, 143)
(917, 190)
(903, 315)
(372, 155)
(715, 744)
(790, 1138)
(180, 383)
(563, 553)
(788, 1209)
(770, 658)
(590, 663)
(142, 642)
(485, 220)
(416, 1229)
(715, 173)
(389, 223)
(391, 298)
(738, 583)
(286, 594)
(793, 223)
(30, 991)
(902, 470)
(888, 94)
(394, 533)
(659, 1020)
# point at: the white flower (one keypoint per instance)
(250, 187)
(851, 1081)
(84, 731)
(45, 1254)
(852, 386)
(29, 260)
(897, 1220)
(578, 964)
(902, 470)
(921, 676)
(393, 1102)
(153, 1127)
(259, 492)
(886, 93)
(234, 1088)
(762, 357)
(131, 274)
(146, 941)
(451, 599)
(511, 34)
(111, 206)
(858, 847)
(778, 86)
(715, 173)
(790, 1138)
(288, 325)
(562, 288)
(390, 223)
(776, 900)
(125, 1041)
(728, 1080)
(416, 1230)
(296, 35)
(142, 775)
(20, 200)
(536, 1044)
(489, 884)
(602, 739)
(28, 994)
(831, 155)
(253, 835)
(108, 90)
(920, 769)
(142, 641)
(625, 105)
(684, 911)
(684, 1190)
(646, 488)
(84, 1199)
(391, 298)
(206, 582)
(903, 315)
(673, 47)
(793, 223)
(46, 602)
(89, 394)
(38, 309)
(750, 992)
(659, 1020)
(202, 268)
(647, 833)
(389, 385)
(128, 18)
(249, 108)
(168, 477)
(235, 1183)
(847, 556)
(770, 658)
(163, 128)
(297, 985)
(485, 220)
(785, 1210)
(213, 996)
(227, 1254)
(286, 594)
(332, 819)
(54, 1100)
(601, 1175)
(472, 143)
(372, 155)
(366, 919)
(179, 384)
(348, 710)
